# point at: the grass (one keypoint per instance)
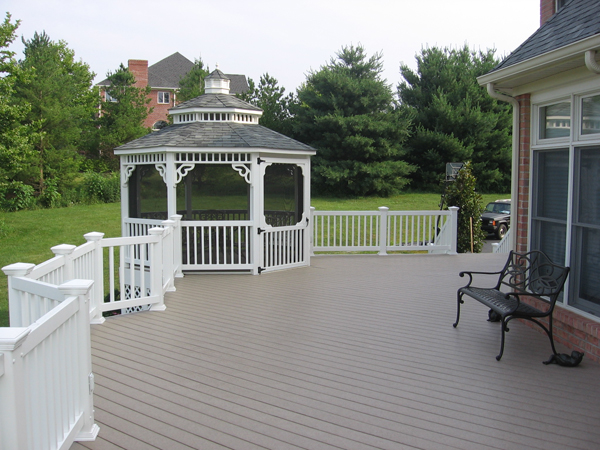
(27, 236)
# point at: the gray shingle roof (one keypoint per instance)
(216, 101)
(216, 135)
(578, 20)
(167, 72)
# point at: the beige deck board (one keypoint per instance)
(354, 352)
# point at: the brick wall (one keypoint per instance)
(160, 110)
(572, 330)
(139, 68)
(546, 10)
(522, 206)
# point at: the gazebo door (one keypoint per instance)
(283, 224)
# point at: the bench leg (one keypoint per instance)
(459, 300)
(504, 330)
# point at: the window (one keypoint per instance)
(164, 97)
(555, 120)
(110, 98)
(561, 3)
(158, 125)
(590, 115)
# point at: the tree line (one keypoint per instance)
(57, 134)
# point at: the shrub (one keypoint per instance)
(50, 198)
(461, 192)
(98, 188)
(16, 195)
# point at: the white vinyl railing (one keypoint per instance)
(504, 246)
(282, 248)
(384, 230)
(46, 380)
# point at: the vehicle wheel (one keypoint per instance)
(501, 232)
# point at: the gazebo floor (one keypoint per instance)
(354, 352)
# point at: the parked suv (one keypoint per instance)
(496, 218)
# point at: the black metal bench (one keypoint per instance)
(529, 274)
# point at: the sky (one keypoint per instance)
(286, 39)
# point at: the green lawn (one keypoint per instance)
(27, 236)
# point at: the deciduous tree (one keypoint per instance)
(454, 119)
(346, 111)
(63, 104)
(16, 148)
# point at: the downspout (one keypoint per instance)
(590, 61)
(515, 158)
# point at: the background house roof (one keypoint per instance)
(217, 135)
(577, 20)
(167, 72)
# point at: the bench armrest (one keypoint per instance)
(471, 273)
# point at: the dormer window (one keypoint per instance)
(560, 4)
(110, 98)
(164, 98)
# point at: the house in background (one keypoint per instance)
(163, 77)
(553, 83)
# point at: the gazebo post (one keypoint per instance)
(256, 208)
(170, 180)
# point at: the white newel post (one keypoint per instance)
(156, 269)
(454, 222)
(178, 246)
(83, 289)
(13, 430)
(97, 297)
(14, 303)
(311, 230)
(65, 250)
(383, 225)
(168, 249)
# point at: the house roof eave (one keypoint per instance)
(548, 64)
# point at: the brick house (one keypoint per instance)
(553, 82)
(163, 78)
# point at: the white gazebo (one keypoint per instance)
(242, 191)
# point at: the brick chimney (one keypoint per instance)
(547, 10)
(139, 69)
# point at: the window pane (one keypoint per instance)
(589, 187)
(555, 120)
(590, 123)
(551, 189)
(550, 238)
(586, 271)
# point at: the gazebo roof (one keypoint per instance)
(217, 135)
(216, 101)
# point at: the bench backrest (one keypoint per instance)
(533, 272)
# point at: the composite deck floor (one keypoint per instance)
(354, 352)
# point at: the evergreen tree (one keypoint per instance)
(271, 98)
(16, 147)
(346, 111)
(192, 83)
(122, 116)
(63, 105)
(454, 119)
(461, 192)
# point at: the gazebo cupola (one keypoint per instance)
(242, 190)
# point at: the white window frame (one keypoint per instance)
(162, 94)
(574, 142)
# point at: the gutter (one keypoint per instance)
(515, 157)
(590, 61)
